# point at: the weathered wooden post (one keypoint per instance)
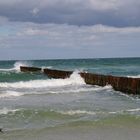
(30, 69)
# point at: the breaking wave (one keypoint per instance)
(16, 66)
(8, 94)
(75, 89)
(77, 112)
(84, 112)
(75, 79)
(5, 111)
(137, 76)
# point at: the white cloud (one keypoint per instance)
(67, 41)
(32, 32)
(35, 11)
(108, 29)
(104, 4)
(70, 35)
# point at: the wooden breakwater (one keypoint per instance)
(57, 73)
(30, 69)
(123, 84)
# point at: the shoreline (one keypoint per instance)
(120, 128)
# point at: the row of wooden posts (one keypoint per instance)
(123, 84)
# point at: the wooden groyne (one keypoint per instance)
(123, 84)
(30, 69)
(57, 73)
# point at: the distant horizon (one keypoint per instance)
(71, 59)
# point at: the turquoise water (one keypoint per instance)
(33, 104)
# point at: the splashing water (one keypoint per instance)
(20, 63)
(75, 79)
(16, 66)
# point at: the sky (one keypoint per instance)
(63, 29)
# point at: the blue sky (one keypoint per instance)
(57, 29)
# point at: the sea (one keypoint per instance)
(36, 107)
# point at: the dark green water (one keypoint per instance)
(31, 104)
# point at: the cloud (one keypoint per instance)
(103, 5)
(62, 33)
(9, 2)
(35, 11)
(3, 20)
(75, 12)
(59, 28)
(108, 29)
(32, 32)
(36, 41)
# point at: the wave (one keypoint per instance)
(84, 112)
(75, 79)
(5, 111)
(16, 66)
(133, 110)
(74, 90)
(126, 111)
(79, 89)
(9, 94)
(136, 76)
(99, 112)
(76, 112)
(20, 63)
(5, 70)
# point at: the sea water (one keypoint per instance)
(35, 107)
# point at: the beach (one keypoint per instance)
(116, 129)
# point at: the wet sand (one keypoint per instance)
(127, 130)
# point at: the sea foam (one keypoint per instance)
(75, 79)
(77, 112)
(5, 111)
(9, 94)
(16, 66)
(136, 76)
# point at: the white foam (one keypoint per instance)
(107, 87)
(125, 111)
(134, 110)
(6, 70)
(5, 111)
(78, 90)
(49, 67)
(137, 76)
(16, 66)
(9, 94)
(75, 79)
(86, 88)
(77, 112)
